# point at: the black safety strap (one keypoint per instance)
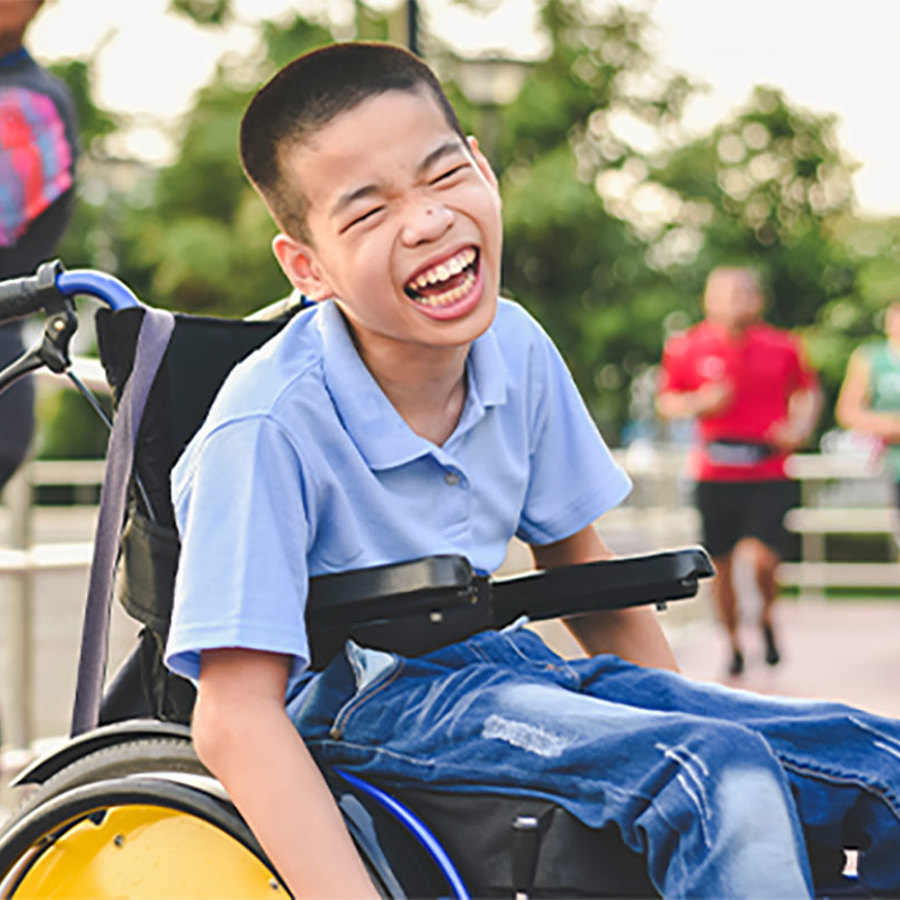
(156, 329)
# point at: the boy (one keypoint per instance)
(411, 413)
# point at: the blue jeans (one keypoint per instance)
(726, 793)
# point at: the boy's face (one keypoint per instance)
(405, 225)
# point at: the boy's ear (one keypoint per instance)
(298, 262)
(482, 162)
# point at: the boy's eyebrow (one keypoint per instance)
(448, 148)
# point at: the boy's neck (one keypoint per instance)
(428, 391)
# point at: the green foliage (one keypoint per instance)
(70, 429)
(776, 192)
(775, 185)
(94, 123)
(203, 12)
(577, 266)
(284, 42)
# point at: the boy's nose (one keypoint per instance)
(426, 222)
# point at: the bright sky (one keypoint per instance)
(828, 57)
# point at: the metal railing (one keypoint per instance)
(23, 556)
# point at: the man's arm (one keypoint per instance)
(709, 399)
(633, 634)
(795, 430)
(244, 736)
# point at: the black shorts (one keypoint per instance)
(731, 510)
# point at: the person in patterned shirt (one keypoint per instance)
(38, 149)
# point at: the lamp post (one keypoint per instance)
(412, 26)
(490, 82)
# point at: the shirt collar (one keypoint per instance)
(374, 425)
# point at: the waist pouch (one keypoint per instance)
(726, 452)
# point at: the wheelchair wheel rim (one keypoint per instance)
(142, 852)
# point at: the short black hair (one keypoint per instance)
(306, 95)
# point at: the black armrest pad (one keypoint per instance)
(416, 606)
(409, 608)
(607, 584)
(380, 592)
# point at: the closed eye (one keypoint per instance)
(363, 217)
(446, 176)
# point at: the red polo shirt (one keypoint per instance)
(765, 365)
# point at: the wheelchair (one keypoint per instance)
(125, 808)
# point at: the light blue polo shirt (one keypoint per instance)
(304, 467)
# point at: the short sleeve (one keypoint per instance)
(573, 477)
(242, 576)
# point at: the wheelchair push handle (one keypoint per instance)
(24, 296)
(51, 285)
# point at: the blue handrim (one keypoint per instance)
(418, 828)
(105, 288)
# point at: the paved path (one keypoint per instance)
(847, 650)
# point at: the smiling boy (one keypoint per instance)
(408, 413)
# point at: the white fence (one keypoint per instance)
(839, 495)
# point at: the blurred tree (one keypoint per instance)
(569, 257)
(203, 244)
(79, 245)
(771, 188)
(612, 220)
(203, 12)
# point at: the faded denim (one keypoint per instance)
(727, 793)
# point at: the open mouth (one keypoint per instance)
(445, 283)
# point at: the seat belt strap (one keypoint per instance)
(153, 339)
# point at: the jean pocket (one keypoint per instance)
(372, 670)
(368, 665)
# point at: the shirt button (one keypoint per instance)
(451, 478)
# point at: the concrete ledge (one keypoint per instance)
(841, 520)
(44, 557)
(840, 574)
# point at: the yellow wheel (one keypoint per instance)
(141, 838)
(143, 853)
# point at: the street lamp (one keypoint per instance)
(489, 83)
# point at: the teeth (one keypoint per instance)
(450, 296)
(445, 270)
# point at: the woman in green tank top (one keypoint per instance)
(869, 400)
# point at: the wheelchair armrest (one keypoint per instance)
(606, 584)
(414, 607)
(409, 608)
(381, 592)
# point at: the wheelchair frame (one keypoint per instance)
(129, 757)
